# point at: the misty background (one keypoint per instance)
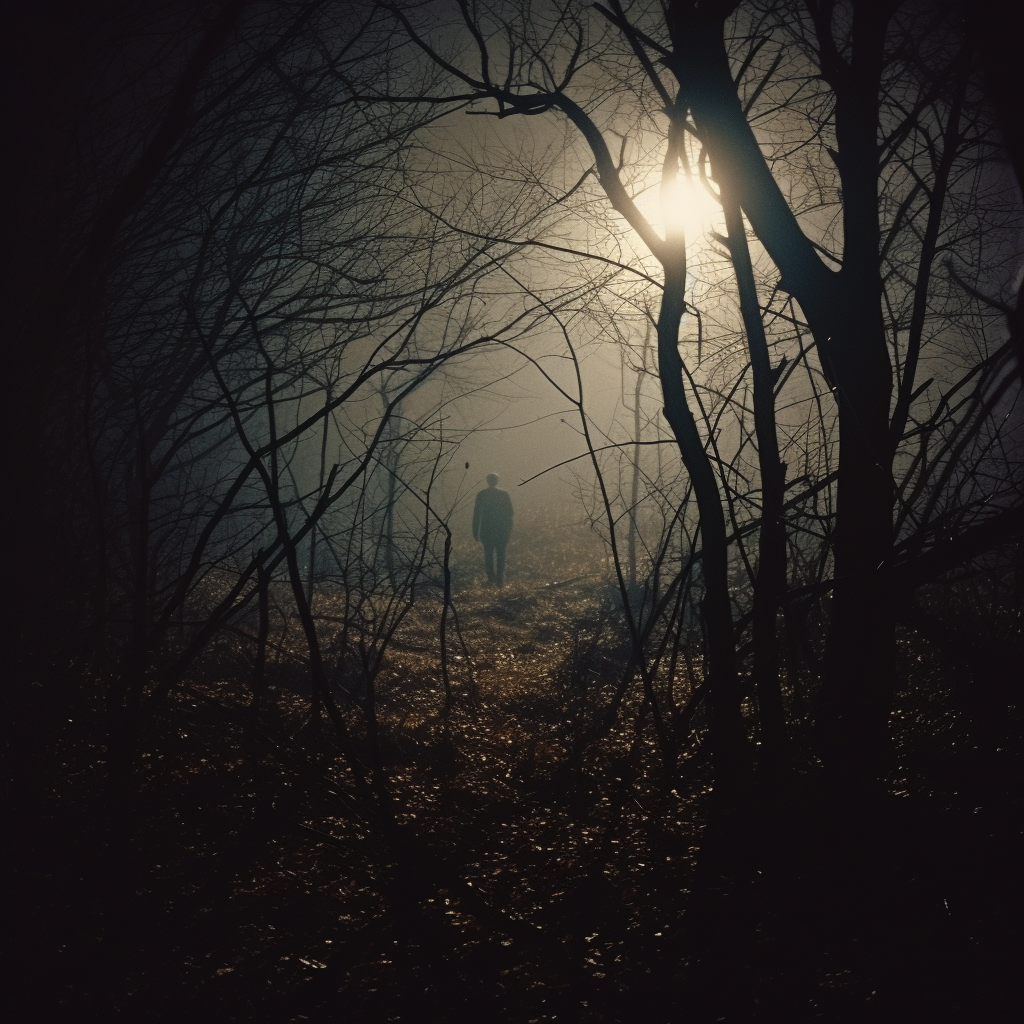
(729, 296)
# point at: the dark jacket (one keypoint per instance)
(492, 516)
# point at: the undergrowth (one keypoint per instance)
(252, 887)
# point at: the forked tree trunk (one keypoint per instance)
(844, 313)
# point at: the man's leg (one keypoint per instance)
(500, 568)
(489, 559)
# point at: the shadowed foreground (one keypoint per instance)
(523, 882)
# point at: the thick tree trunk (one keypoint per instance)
(860, 652)
(860, 663)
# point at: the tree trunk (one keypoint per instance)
(770, 585)
(728, 740)
(634, 491)
(860, 658)
(860, 654)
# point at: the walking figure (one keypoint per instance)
(492, 526)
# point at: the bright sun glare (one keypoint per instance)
(686, 204)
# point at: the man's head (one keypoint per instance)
(492, 479)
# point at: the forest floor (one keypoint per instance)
(532, 886)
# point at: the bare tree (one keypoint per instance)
(268, 322)
(870, 136)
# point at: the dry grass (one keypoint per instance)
(254, 889)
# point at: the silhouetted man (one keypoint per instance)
(492, 526)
